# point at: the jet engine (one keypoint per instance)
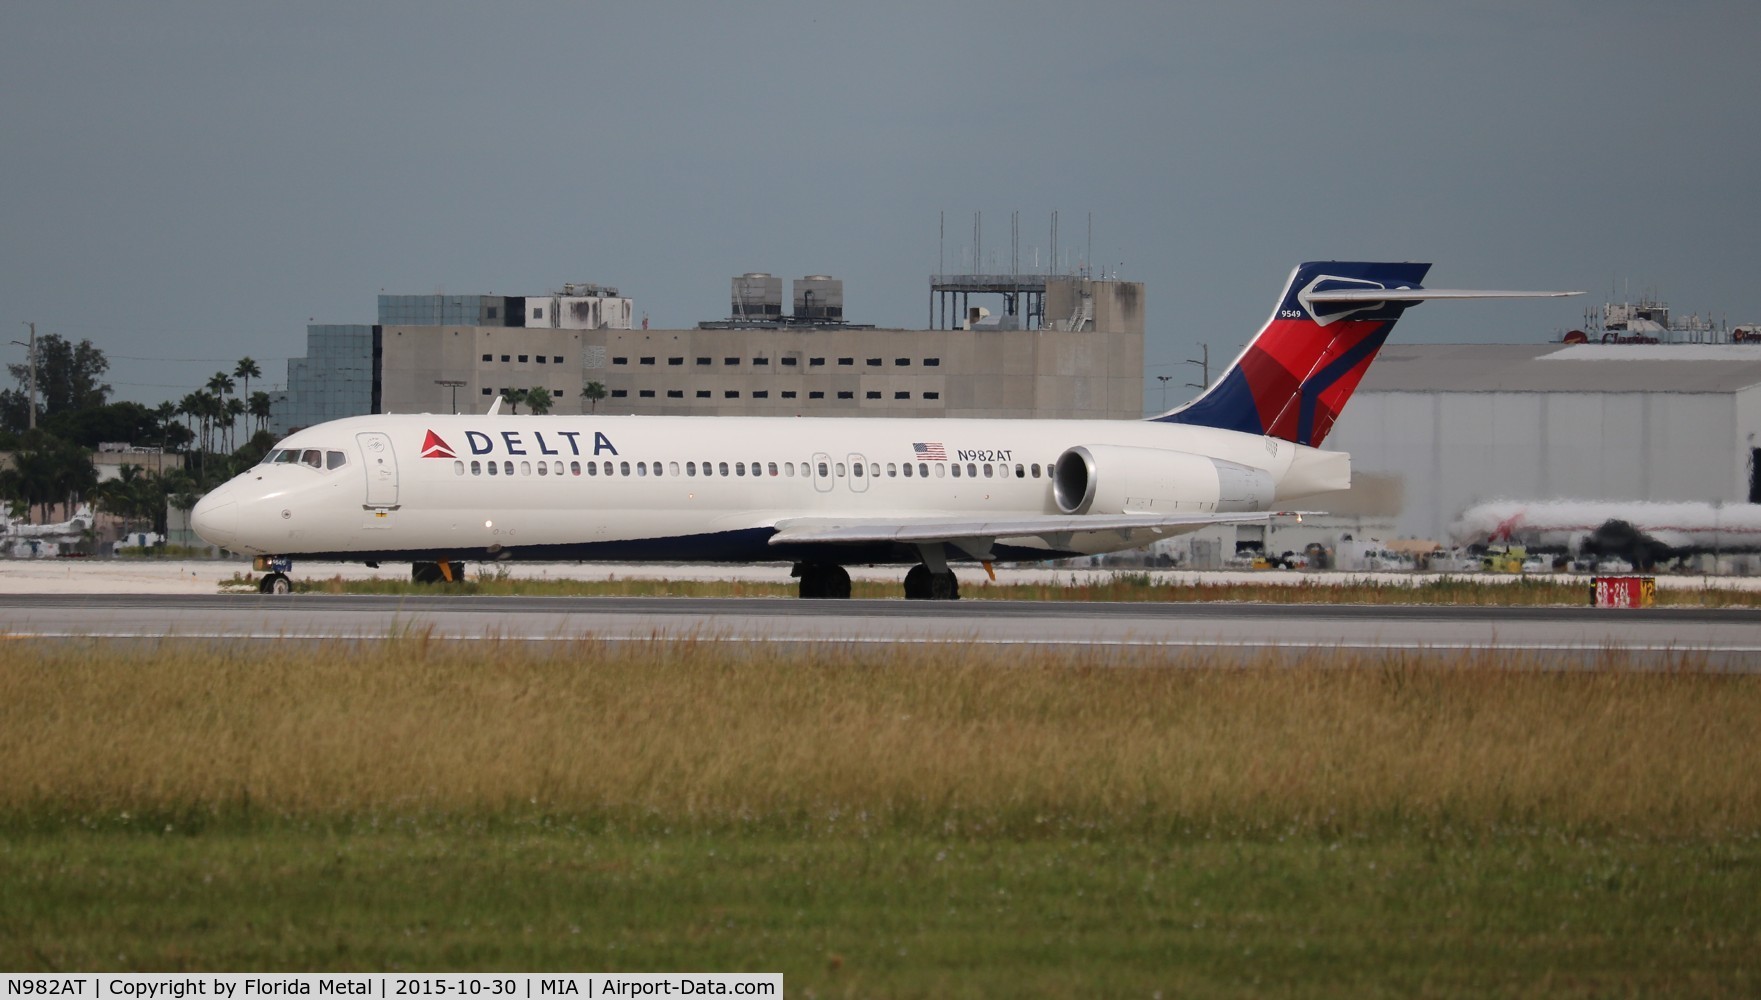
(1117, 479)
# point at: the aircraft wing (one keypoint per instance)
(1052, 528)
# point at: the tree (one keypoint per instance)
(47, 470)
(246, 369)
(514, 397)
(538, 399)
(68, 378)
(594, 391)
(262, 408)
(235, 408)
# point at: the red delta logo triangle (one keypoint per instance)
(434, 447)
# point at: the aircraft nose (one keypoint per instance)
(215, 518)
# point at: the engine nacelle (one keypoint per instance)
(1115, 479)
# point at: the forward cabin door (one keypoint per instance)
(381, 469)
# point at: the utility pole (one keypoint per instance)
(32, 347)
(1164, 379)
(453, 384)
(1204, 363)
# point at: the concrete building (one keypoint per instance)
(761, 360)
(1434, 429)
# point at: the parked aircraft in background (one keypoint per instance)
(22, 539)
(1642, 533)
(825, 493)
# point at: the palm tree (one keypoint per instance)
(594, 391)
(221, 385)
(247, 369)
(261, 407)
(514, 397)
(538, 399)
(235, 408)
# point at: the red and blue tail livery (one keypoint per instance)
(1292, 379)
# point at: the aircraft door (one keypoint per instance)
(381, 465)
(858, 473)
(822, 472)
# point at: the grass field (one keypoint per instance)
(882, 822)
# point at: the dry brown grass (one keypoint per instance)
(835, 737)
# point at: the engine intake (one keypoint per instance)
(1117, 479)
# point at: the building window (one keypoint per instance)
(556, 393)
(731, 394)
(488, 391)
(846, 395)
(540, 359)
(704, 361)
(901, 395)
(703, 394)
(537, 312)
(730, 361)
(492, 312)
(932, 395)
(489, 357)
(872, 394)
(788, 394)
(816, 394)
(675, 362)
(761, 361)
(846, 361)
(932, 362)
(647, 361)
(615, 361)
(522, 359)
(790, 362)
(873, 362)
(761, 394)
(675, 394)
(901, 362)
(506, 357)
(619, 393)
(645, 393)
(815, 362)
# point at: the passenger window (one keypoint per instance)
(856, 469)
(672, 468)
(971, 471)
(772, 468)
(525, 468)
(823, 471)
(492, 469)
(623, 468)
(335, 460)
(458, 467)
(476, 468)
(641, 468)
(690, 468)
(987, 471)
(892, 471)
(559, 468)
(575, 467)
(739, 468)
(942, 470)
(956, 469)
(840, 468)
(1020, 473)
(544, 468)
(874, 468)
(593, 468)
(723, 469)
(907, 470)
(789, 469)
(508, 467)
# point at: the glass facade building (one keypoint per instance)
(335, 379)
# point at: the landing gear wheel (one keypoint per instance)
(944, 587)
(917, 583)
(824, 582)
(275, 583)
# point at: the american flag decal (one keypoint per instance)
(930, 451)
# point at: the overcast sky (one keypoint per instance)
(199, 180)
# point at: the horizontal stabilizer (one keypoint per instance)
(1420, 294)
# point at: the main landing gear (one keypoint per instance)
(826, 581)
(437, 572)
(822, 580)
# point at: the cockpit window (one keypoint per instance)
(313, 457)
(335, 460)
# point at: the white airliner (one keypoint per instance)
(825, 493)
(1643, 533)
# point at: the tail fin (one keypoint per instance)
(1293, 379)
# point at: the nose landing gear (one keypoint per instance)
(275, 581)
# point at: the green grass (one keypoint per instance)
(883, 822)
(897, 913)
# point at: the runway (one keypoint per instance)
(1723, 639)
